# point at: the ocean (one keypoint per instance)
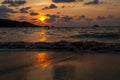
(70, 34)
(60, 53)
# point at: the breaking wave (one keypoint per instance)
(63, 45)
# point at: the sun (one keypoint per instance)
(42, 18)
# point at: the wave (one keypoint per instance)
(63, 45)
(99, 35)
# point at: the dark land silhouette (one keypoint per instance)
(10, 23)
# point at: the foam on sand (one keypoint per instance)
(63, 45)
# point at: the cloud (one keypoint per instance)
(110, 17)
(89, 19)
(4, 9)
(25, 10)
(63, 1)
(63, 6)
(14, 2)
(101, 18)
(66, 18)
(33, 19)
(21, 2)
(68, 6)
(5, 12)
(109, 21)
(66, 1)
(84, 18)
(52, 6)
(34, 13)
(22, 18)
(93, 2)
(58, 12)
(81, 17)
(52, 18)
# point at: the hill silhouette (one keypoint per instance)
(11, 23)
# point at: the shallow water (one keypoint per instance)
(49, 65)
(102, 34)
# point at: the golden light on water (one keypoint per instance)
(43, 37)
(42, 59)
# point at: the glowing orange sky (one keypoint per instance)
(75, 9)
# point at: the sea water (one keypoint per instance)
(59, 65)
(99, 34)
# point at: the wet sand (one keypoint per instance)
(54, 65)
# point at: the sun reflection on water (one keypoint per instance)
(43, 37)
(43, 59)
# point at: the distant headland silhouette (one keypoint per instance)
(11, 23)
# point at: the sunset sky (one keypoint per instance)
(63, 12)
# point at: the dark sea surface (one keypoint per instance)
(101, 34)
(57, 64)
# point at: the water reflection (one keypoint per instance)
(54, 66)
(42, 59)
(43, 37)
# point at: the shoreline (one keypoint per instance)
(89, 46)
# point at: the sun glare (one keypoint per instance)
(42, 18)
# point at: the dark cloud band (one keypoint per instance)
(14, 2)
(92, 2)
(52, 6)
(63, 1)
(34, 13)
